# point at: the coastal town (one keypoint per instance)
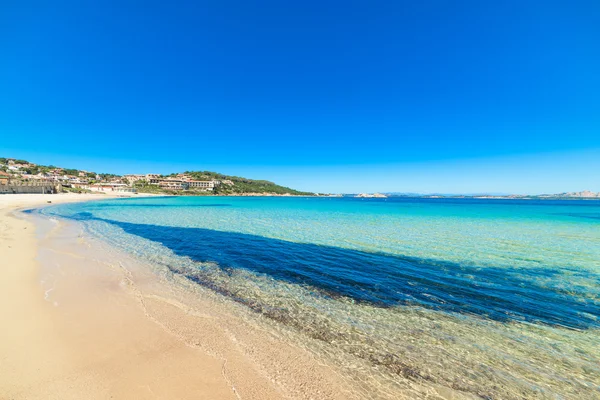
(20, 176)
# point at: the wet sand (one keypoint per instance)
(81, 321)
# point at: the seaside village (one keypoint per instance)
(23, 177)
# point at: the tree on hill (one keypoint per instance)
(32, 170)
(243, 185)
(71, 171)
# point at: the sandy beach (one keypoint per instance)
(75, 325)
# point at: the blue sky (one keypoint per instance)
(427, 96)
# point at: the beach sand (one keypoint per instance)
(75, 325)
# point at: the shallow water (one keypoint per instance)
(497, 299)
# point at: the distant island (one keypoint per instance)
(585, 194)
(28, 176)
(371, 195)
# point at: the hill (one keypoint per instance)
(207, 182)
(239, 185)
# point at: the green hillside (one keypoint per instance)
(243, 185)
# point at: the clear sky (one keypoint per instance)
(332, 96)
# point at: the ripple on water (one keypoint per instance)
(501, 300)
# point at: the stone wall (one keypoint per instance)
(14, 189)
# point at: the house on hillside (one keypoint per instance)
(153, 179)
(173, 184)
(4, 178)
(203, 185)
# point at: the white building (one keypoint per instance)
(205, 185)
(173, 184)
(112, 187)
(153, 179)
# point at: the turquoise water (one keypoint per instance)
(498, 299)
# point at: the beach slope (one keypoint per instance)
(76, 326)
(96, 344)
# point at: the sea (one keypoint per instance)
(495, 299)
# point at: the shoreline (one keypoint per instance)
(53, 347)
(120, 312)
(113, 330)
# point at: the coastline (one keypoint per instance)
(113, 330)
(116, 310)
